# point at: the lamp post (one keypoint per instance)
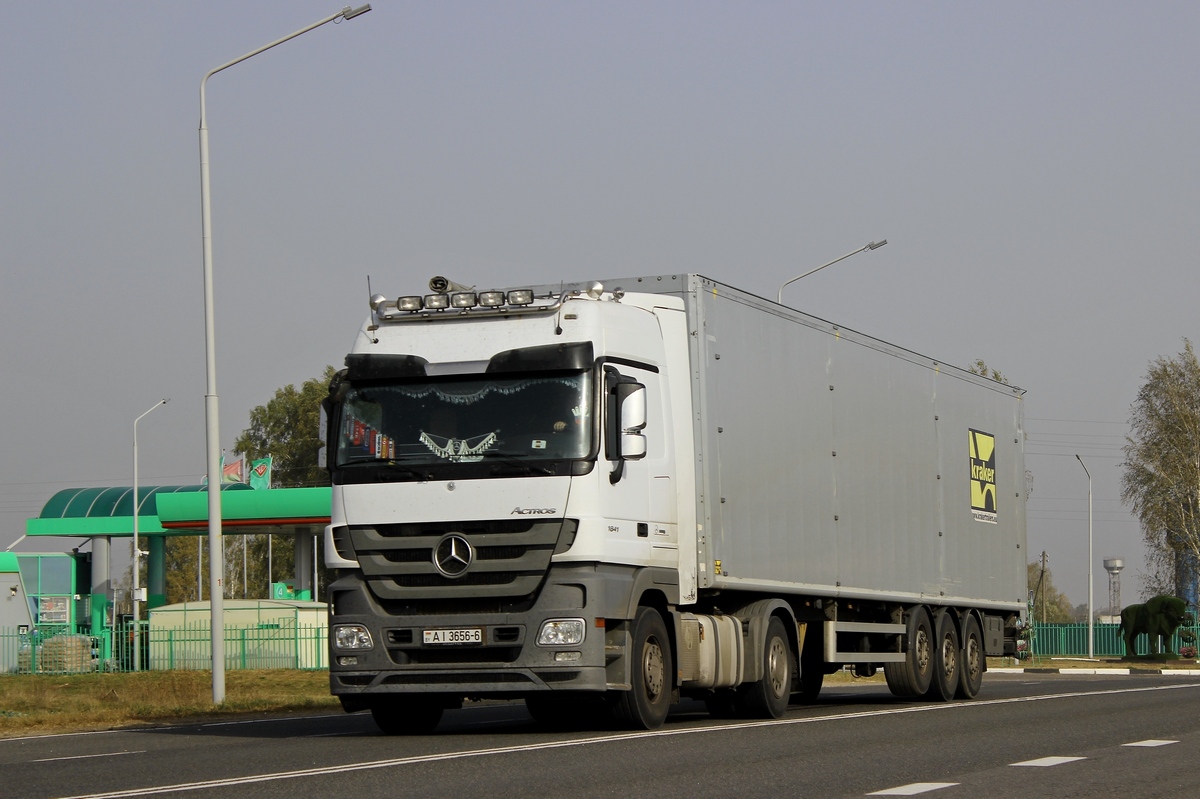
(137, 549)
(874, 245)
(1091, 620)
(216, 561)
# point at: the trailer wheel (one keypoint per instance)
(973, 663)
(407, 715)
(946, 658)
(645, 706)
(912, 676)
(768, 697)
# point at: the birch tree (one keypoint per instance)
(1161, 479)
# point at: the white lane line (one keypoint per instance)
(84, 757)
(1151, 742)
(914, 788)
(632, 736)
(1048, 761)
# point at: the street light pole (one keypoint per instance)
(874, 245)
(1091, 620)
(137, 549)
(216, 560)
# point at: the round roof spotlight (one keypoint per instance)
(595, 289)
(377, 301)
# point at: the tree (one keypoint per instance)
(286, 428)
(981, 368)
(1161, 479)
(1049, 604)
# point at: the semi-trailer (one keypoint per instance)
(604, 496)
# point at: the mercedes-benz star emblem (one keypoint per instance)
(453, 555)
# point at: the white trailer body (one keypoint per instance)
(660, 486)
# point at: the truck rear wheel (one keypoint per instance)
(768, 697)
(912, 676)
(946, 658)
(645, 706)
(973, 662)
(406, 715)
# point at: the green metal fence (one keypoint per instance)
(270, 645)
(1067, 640)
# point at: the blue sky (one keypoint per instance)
(1032, 165)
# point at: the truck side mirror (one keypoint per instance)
(633, 421)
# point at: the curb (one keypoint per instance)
(1100, 672)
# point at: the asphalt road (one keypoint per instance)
(1025, 736)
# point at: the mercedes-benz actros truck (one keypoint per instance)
(603, 497)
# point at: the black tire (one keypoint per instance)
(410, 715)
(768, 697)
(974, 662)
(947, 656)
(912, 676)
(812, 670)
(652, 670)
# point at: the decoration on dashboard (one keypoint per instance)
(459, 450)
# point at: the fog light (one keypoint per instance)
(349, 660)
(490, 299)
(560, 632)
(567, 657)
(352, 636)
(520, 297)
(437, 300)
(408, 304)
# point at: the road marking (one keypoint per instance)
(84, 757)
(913, 789)
(1151, 742)
(604, 739)
(1048, 761)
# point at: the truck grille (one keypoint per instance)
(510, 558)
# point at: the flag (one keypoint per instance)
(260, 473)
(231, 472)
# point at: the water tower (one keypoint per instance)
(1113, 566)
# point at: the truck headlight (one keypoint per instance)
(560, 632)
(352, 636)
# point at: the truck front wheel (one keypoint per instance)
(645, 706)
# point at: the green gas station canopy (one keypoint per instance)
(178, 510)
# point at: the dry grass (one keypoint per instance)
(43, 703)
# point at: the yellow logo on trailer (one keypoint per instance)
(983, 476)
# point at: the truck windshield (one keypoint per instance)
(456, 420)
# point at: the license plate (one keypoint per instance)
(458, 635)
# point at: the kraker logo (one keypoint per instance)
(983, 476)
(533, 511)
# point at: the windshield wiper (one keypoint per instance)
(514, 462)
(389, 466)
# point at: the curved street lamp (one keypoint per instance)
(137, 550)
(216, 563)
(874, 245)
